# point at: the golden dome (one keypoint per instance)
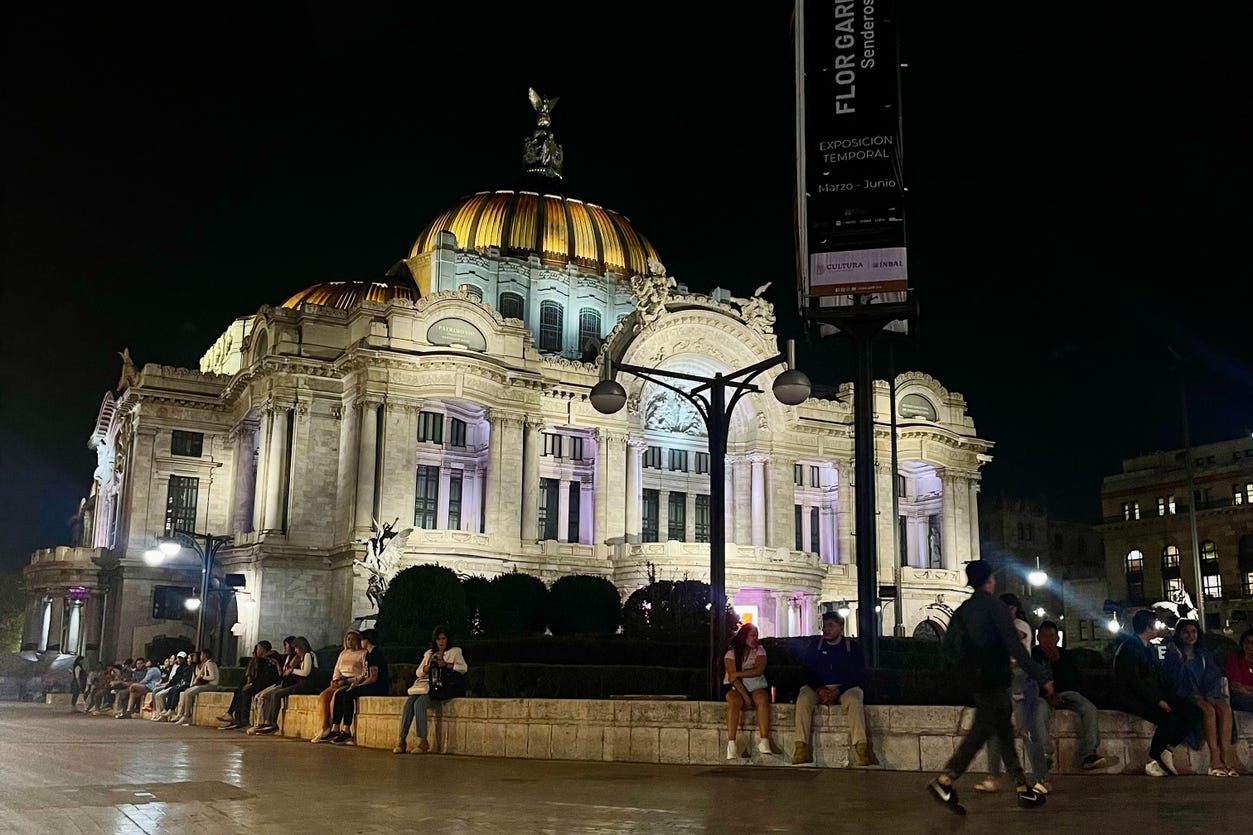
(560, 230)
(344, 295)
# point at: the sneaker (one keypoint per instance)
(801, 755)
(400, 748)
(226, 717)
(253, 730)
(231, 727)
(946, 796)
(1154, 769)
(1042, 787)
(863, 756)
(764, 748)
(342, 738)
(733, 751)
(122, 716)
(988, 784)
(324, 736)
(265, 730)
(1092, 761)
(1167, 759)
(185, 721)
(1029, 798)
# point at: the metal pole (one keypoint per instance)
(863, 452)
(1192, 499)
(898, 550)
(717, 428)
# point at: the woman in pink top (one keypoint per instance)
(349, 666)
(745, 688)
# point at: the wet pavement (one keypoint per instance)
(68, 773)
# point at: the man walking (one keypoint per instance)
(982, 638)
(1066, 696)
(1143, 693)
(834, 669)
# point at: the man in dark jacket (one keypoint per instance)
(1143, 693)
(983, 638)
(834, 669)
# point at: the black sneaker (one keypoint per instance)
(266, 729)
(1029, 798)
(946, 796)
(1092, 761)
(340, 738)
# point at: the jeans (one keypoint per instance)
(1173, 726)
(1031, 715)
(1089, 730)
(992, 719)
(344, 702)
(415, 707)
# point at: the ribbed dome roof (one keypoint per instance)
(344, 295)
(560, 230)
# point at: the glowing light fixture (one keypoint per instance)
(192, 603)
(153, 557)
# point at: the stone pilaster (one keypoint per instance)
(530, 480)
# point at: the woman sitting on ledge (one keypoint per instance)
(436, 665)
(745, 688)
(1197, 677)
(374, 682)
(347, 668)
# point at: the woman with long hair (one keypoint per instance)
(348, 667)
(745, 687)
(375, 681)
(298, 680)
(439, 659)
(78, 683)
(1197, 677)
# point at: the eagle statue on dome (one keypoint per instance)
(756, 312)
(543, 107)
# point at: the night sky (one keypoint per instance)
(1078, 197)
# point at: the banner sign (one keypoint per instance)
(850, 189)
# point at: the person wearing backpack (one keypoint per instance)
(834, 671)
(981, 640)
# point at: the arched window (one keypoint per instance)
(916, 406)
(511, 306)
(589, 329)
(1135, 561)
(472, 290)
(551, 324)
(1135, 576)
(262, 346)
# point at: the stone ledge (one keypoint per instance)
(906, 738)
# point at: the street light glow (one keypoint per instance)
(192, 603)
(1039, 611)
(1037, 578)
(844, 611)
(153, 557)
(169, 547)
(1113, 626)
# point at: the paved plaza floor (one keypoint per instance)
(68, 773)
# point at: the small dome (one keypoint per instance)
(560, 230)
(344, 295)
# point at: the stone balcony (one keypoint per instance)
(906, 738)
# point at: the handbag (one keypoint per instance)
(420, 687)
(754, 683)
(446, 684)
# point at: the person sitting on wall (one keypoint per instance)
(283, 665)
(255, 678)
(204, 678)
(166, 698)
(1198, 678)
(374, 682)
(132, 698)
(439, 659)
(1067, 695)
(1143, 692)
(1240, 673)
(348, 667)
(745, 687)
(834, 671)
(101, 696)
(299, 680)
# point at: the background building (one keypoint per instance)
(451, 395)
(1146, 529)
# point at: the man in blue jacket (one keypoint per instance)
(834, 671)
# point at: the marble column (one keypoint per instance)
(276, 470)
(689, 518)
(973, 486)
(398, 461)
(844, 500)
(617, 471)
(367, 463)
(663, 515)
(73, 644)
(806, 528)
(530, 480)
(471, 499)
(563, 510)
(634, 487)
(492, 493)
(740, 497)
(781, 614)
(948, 521)
(588, 524)
(441, 499)
(808, 604)
(259, 480)
(826, 533)
(780, 504)
(246, 475)
(601, 479)
(758, 464)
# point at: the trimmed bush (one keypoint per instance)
(417, 600)
(478, 596)
(671, 611)
(515, 605)
(230, 677)
(580, 604)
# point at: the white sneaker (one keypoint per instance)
(763, 748)
(733, 751)
(1154, 769)
(1168, 760)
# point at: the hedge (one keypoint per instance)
(584, 681)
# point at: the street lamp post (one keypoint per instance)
(206, 547)
(709, 397)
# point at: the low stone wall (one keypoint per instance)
(906, 738)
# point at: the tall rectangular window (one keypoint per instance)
(430, 427)
(651, 512)
(676, 519)
(652, 457)
(1161, 505)
(575, 444)
(1213, 585)
(1126, 511)
(798, 475)
(190, 444)
(1170, 504)
(552, 444)
(798, 514)
(426, 499)
(678, 460)
(815, 539)
(1172, 585)
(548, 490)
(815, 476)
(551, 323)
(180, 504)
(1237, 494)
(454, 499)
(1135, 510)
(702, 517)
(572, 525)
(456, 432)
(589, 330)
(702, 463)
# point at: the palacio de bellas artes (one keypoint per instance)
(451, 395)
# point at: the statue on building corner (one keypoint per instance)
(756, 312)
(130, 377)
(382, 558)
(651, 292)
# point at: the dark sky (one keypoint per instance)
(1078, 196)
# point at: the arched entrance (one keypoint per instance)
(929, 630)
